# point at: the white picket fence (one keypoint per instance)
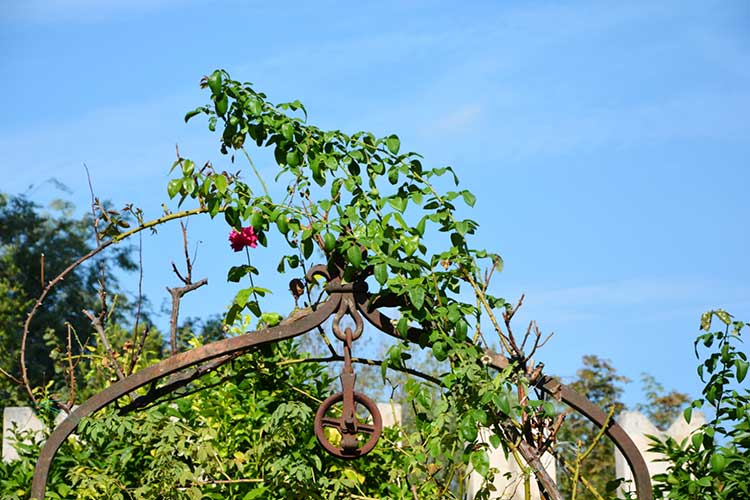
(508, 487)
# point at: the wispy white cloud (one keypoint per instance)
(455, 121)
(648, 299)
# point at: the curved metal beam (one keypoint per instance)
(297, 325)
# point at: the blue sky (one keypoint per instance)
(607, 142)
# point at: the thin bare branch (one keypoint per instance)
(14, 379)
(97, 324)
(177, 293)
(71, 369)
(140, 303)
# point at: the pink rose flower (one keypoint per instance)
(245, 238)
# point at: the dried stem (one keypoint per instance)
(133, 351)
(493, 319)
(97, 324)
(177, 293)
(363, 361)
(71, 370)
(532, 458)
(14, 379)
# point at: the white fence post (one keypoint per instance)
(638, 427)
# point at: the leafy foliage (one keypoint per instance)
(714, 462)
(245, 431)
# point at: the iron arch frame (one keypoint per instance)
(355, 299)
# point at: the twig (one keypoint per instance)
(14, 379)
(177, 293)
(592, 489)
(97, 236)
(493, 319)
(139, 349)
(95, 321)
(71, 370)
(220, 481)
(363, 361)
(580, 458)
(140, 302)
(257, 174)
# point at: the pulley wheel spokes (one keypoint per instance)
(355, 437)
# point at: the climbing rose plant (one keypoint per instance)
(376, 213)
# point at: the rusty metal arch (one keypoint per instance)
(223, 351)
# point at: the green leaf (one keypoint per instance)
(329, 242)
(271, 319)
(402, 326)
(706, 321)
(468, 428)
(697, 440)
(398, 202)
(174, 187)
(255, 493)
(461, 329)
(293, 159)
(256, 220)
(254, 106)
(331, 162)
(354, 255)
(189, 185)
(718, 463)
(242, 297)
(410, 243)
(393, 175)
(282, 224)
(416, 295)
(469, 198)
(741, 367)
(307, 248)
(421, 226)
(724, 316)
(480, 461)
(393, 144)
(237, 272)
(222, 103)
(688, 413)
(193, 113)
(381, 273)
(495, 440)
(502, 403)
(287, 130)
(439, 352)
(220, 181)
(214, 82)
